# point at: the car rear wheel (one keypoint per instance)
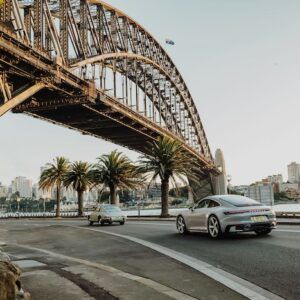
(181, 226)
(263, 231)
(122, 222)
(100, 221)
(90, 222)
(214, 228)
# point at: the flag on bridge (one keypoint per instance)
(170, 42)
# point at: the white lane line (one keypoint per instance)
(163, 289)
(239, 285)
(151, 223)
(174, 225)
(287, 230)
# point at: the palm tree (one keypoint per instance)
(80, 177)
(168, 161)
(54, 177)
(116, 171)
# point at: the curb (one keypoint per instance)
(143, 218)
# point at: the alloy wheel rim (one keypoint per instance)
(213, 227)
(180, 224)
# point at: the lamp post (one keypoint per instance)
(218, 179)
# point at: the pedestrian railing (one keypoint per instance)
(38, 215)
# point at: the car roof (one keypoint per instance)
(232, 198)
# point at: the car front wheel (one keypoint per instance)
(181, 226)
(214, 228)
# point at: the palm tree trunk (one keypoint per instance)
(58, 201)
(165, 198)
(113, 195)
(80, 203)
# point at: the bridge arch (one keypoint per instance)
(78, 49)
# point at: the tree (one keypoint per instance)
(168, 161)
(54, 177)
(116, 171)
(80, 178)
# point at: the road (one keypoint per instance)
(271, 262)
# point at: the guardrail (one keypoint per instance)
(40, 215)
(284, 214)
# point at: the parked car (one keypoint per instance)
(225, 214)
(107, 214)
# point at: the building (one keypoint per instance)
(293, 172)
(240, 189)
(220, 181)
(291, 190)
(275, 178)
(261, 192)
(154, 190)
(23, 186)
(3, 191)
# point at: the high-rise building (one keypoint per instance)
(261, 192)
(220, 181)
(23, 186)
(3, 191)
(275, 179)
(294, 172)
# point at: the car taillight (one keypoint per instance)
(235, 212)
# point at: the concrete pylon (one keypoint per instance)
(220, 181)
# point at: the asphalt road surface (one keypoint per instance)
(271, 262)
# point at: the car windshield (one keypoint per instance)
(111, 208)
(240, 201)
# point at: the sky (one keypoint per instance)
(241, 62)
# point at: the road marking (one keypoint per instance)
(287, 230)
(151, 223)
(239, 285)
(163, 289)
(173, 225)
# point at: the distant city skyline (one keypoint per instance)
(243, 75)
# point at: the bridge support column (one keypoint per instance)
(202, 188)
(13, 102)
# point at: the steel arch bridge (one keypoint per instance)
(85, 65)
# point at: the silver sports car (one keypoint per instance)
(227, 213)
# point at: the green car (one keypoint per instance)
(107, 214)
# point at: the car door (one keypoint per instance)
(198, 214)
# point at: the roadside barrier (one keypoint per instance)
(38, 215)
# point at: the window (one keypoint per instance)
(213, 203)
(202, 204)
(240, 201)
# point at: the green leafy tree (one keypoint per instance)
(54, 177)
(168, 161)
(80, 178)
(116, 171)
